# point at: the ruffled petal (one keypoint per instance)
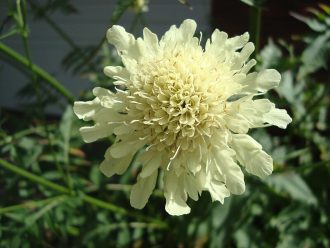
(117, 72)
(229, 170)
(261, 82)
(277, 117)
(111, 166)
(151, 165)
(98, 131)
(187, 29)
(122, 40)
(175, 195)
(250, 154)
(86, 110)
(245, 114)
(122, 148)
(142, 190)
(151, 42)
(217, 189)
(182, 35)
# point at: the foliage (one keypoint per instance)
(52, 193)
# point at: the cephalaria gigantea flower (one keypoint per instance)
(186, 110)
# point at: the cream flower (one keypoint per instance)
(140, 6)
(187, 110)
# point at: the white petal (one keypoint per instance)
(277, 117)
(216, 47)
(250, 154)
(116, 72)
(122, 40)
(230, 170)
(142, 190)
(98, 131)
(122, 129)
(175, 195)
(244, 114)
(123, 148)
(182, 35)
(153, 164)
(218, 191)
(107, 115)
(187, 29)
(151, 41)
(253, 111)
(239, 61)
(111, 166)
(218, 38)
(194, 162)
(176, 206)
(237, 123)
(238, 41)
(86, 110)
(247, 67)
(192, 186)
(262, 81)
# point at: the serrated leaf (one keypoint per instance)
(316, 55)
(120, 8)
(312, 23)
(65, 129)
(292, 184)
(254, 3)
(270, 55)
(286, 88)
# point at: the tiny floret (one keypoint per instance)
(186, 111)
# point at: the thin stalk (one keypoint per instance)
(63, 34)
(33, 177)
(18, 135)
(86, 198)
(21, 8)
(99, 45)
(255, 27)
(30, 204)
(39, 71)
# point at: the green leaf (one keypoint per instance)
(293, 185)
(286, 88)
(311, 22)
(254, 3)
(316, 55)
(65, 129)
(120, 8)
(270, 55)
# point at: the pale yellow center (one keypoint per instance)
(178, 98)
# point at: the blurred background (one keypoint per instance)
(52, 194)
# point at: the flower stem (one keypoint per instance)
(33, 177)
(30, 204)
(38, 71)
(86, 198)
(255, 27)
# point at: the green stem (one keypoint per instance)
(255, 27)
(18, 135)
(38, 71)
(85, 198)
(30, 204)
(61, 33)
(33, 177)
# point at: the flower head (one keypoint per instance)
(187, 110)
(140, 6)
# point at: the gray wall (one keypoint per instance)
(86, 28)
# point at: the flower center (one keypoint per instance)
(174, 103)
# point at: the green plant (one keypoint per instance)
(53, 194)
